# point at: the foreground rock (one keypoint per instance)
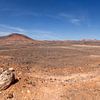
(6, 79)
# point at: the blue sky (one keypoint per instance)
(51, 19)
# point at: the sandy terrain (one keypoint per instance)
(52, 70)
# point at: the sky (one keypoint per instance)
(51, 19)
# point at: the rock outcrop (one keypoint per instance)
(7, 77)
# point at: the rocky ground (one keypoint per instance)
(52, 71)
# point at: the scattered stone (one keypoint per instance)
(1, 70)
(10, 96)
(28, 91)
(11, 69)
(22, 91)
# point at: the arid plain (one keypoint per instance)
(51, 70)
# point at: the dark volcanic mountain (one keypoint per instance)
(15, 38)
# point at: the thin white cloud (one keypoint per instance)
(45, 35)
(2, 33)
(73, 18)
(7, 29)
(65, 15)
(26, 13)
(42, 34)
(19, 12)
(75, 21)
(39, 31)
(53, 16)
(11, 28)
(34, 33)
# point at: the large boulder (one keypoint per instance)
(7, 77)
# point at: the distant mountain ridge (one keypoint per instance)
(16, 38)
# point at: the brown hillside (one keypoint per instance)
(15, 38)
